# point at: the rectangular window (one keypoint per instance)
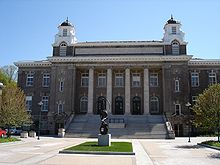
(84, 79)
(212, 78)
(153, 79)
(136, 80)
(177, 109)
(46, 80)
(119, 80)
(64, 32)
(177, 86)
(30, 79)
(28, 103)
(102, 80)
(60, 108)
(61, 86)
(173, 30)
(194, 99)
(195, 79)
(45, 105)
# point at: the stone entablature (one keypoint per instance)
(204, 62)
(125, 58)
(43, 63)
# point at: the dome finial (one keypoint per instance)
(67, 19)
(171, 17)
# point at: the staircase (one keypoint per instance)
(135, 126)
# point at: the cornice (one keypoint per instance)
(214, 62)
(43, 63)
(120, 59)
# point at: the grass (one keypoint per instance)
(93, 146)
(212, 143)
(6, 139)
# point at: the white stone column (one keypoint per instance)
(127, 91)
(109, 89)
(146, 91)
(90, 91)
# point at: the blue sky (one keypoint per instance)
(28, 27)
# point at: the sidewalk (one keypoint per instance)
(148, 151)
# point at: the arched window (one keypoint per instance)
(101, 104)
(63, 47)
(154, 104)
(84, 104)
(119, 105)
(136, 105)
(175, 48)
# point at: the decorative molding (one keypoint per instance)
(44, 63)
(134, 58)
(204, 62)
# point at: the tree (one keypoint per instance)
(8, 74)
(207, 109)
(12, 110)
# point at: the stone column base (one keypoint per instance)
(104, 140)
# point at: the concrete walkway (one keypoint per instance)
(148, 152)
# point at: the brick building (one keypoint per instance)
(138, 78)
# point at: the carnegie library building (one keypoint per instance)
(146, 85)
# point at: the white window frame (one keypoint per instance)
(153, 79)
(178, 111)
(173, 29)
(177, 85)
(195, 79)
(60, 108)
(175, 48)
(101, 79)
(45, 105)
(136, 79)
(64, 32)
(28, 103)
(46, 80)
(61, 86)
(84, 79)
(30, 79)
(212, 78)
(63, 48)
(194, 99)
(119, 79)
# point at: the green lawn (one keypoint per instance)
(212, 143)
(93, 146)
(10, 139)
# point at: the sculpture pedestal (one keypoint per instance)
(104, 140)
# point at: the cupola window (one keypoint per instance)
(175, 48)
(173, 30)
(63, 49)
(64, 32)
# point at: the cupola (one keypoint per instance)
(173, 32)
(66, 34)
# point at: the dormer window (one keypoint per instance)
(64, 32)
(63, 49)
(173, 30)
(175, 48)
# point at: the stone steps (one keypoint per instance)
(136, 126)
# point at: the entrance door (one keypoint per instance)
(84, 104)
(101, 104)
(178, 128)
(136, 105)
(119, 105)
(57, 126)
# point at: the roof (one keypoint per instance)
(66, 23)
(172, 21)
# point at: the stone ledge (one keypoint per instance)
(95, 152)
(208, 146)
